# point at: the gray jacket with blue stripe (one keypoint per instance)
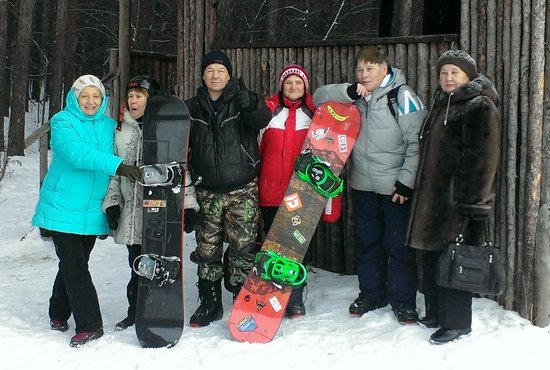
(386, 151)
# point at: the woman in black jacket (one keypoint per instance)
(459, 156)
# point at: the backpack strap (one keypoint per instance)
(392, 101)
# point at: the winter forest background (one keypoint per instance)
(62, 39)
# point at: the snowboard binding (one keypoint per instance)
(317, 173)
(155, 267)
(167, 175)
(280, 270)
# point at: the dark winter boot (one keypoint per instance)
(125, 323)
(362, 305)
(405, 315)
(235, 291)
(296, 307)
(211, 308)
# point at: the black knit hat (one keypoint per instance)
(216, 56)
(461, 59)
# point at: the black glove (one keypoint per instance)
(352, 91)
(190, 218)
(242, 98)
(403, 190)
(131, 172)
(113, 214)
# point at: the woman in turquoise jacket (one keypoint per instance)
(70, 201)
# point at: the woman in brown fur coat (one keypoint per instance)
(459, 155)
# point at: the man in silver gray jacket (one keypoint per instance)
(382, 172)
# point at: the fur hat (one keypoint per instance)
(216, 56)
(461, 59)
(85, 81)
(293, 69)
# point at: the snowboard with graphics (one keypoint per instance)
(260, 306)
(159, 312)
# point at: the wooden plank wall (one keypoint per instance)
(333, 245)
(509, 40)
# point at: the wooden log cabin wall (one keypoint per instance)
(509, 40)
(333, 246)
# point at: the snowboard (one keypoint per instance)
(259, 308)
(159, 311)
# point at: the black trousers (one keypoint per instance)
(73, 289)
(452, 308)
(132, 288)
(268, 215)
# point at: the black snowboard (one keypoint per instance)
(159, 314)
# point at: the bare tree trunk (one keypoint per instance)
(187, 79)
(510, 154)
(272, 24)
(482, 36)
(16, 135)
(465, 28)
(199, 41)
(525, 249)
(123, 48)
(491, 40)
(59, 50)
(541, 97)
(69, 74)
(407, 17)
(3, 48)
(42, 66)
(192, 75)
(211, 23)
(179, 89)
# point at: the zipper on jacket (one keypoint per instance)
(135, 205)
(254, 163)
(425, 122)
(447, 110)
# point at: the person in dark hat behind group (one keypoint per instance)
(459, 158)
(224, 160)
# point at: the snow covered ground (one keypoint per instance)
(327, 338)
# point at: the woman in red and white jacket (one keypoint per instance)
(281, 142)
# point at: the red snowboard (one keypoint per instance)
(260, 306)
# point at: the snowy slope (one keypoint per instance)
(327, 338)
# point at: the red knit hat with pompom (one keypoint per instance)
(293, 69)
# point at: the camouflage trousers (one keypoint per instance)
(231, 217)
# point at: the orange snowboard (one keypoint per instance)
(260, 306)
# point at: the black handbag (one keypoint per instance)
(473, 268)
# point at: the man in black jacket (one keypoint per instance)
(224, 161)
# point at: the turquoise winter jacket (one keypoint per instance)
(72, 193)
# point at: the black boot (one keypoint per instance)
(296, 307)
(235, 291)
(211, 308)
(125, 323)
